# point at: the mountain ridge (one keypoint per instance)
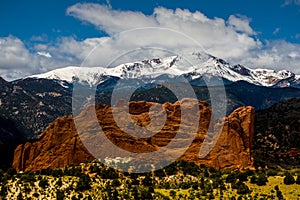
(192, 66)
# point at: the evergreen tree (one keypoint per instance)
(253, 179)
(242, 176)
(43, 183)
(59, 182)
(231, 178)
(288, 179)
(243, 189)
(84, 182)
(298, 179)
(60, 195)
(147, 181)
(20, 196)
(173, 194)
(278, 193)
(261, 179)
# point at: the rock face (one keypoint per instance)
(233, 148)
(60, 144)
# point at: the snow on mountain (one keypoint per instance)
(195, 65)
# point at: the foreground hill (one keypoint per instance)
(60, 144)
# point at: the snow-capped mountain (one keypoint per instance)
(193, 66)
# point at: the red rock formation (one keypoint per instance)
(233, 147)
(60, 145)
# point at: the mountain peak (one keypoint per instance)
(2, 80)
(195, 65)
(241, 70)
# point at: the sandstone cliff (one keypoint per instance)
(233, 148)
(60, 144)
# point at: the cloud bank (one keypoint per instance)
(290, 2)
(232, 39)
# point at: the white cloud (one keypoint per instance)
(13, 53)
(68, 46)
(112, 21)
(241, 23)
(222, 38)
(275, 55)
(15, 59)
(232, 39)
(290, 2)
(45, 54)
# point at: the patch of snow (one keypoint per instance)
(195, 65)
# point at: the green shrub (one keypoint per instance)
(298, 179)
(43, 183)
(288, 179)
(60, 195)
(243, 189)
(261, 179)
(242, 176)
(278, 193)
(272, 172)
(83, 183)
(59, 182)
(231, 178)
(253, 179)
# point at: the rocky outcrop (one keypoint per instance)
(60, 145)
(233, 147)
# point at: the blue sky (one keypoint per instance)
(25, 19)
(37, 30)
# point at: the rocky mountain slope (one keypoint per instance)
(194, 67)
(277, 135)
(238, 94)
(32, 104)
(60, 145)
